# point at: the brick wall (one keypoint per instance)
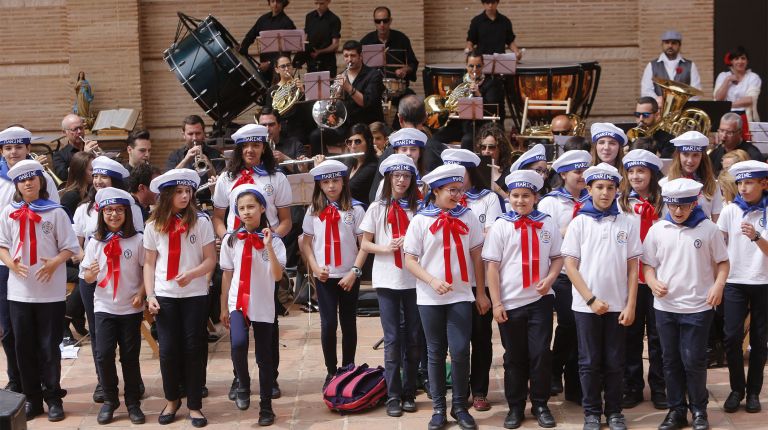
(119, 44)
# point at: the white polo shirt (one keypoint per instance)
(710, 206)
(53, 234)
(685, 260)
(85, 221)
(261, 305)
(503, 245)
(277, 193)
(385, 273)
(560, 209)
(748, 264)
(603, 248)
(486, 206)
(192, 243)
(131, 275)
(428, 248)
(349, 232)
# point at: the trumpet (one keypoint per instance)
(201, 165)
(96, 150)
(48, 170)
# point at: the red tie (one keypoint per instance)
(529, 268)
(113, 252)
(451, 227)
(252, 241)
(246, 177)
(331, 217)
(647, 216)
(22, 215)
(399, 220)
(174, 253)
(576, 208)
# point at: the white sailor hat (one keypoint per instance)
(749, 169)
(15, 135)
(397, 162)
(175, 177)
(691, 141)
(602, 171)
(251, 133)
(681, 190)
(524, 179)
(329, 169)
(444, 174)
(408, 137)
(643, 158)
(537, 153)
(572, 160)
(606, 129)
(113, 196)
(672, 35)
(24, 170)
(106, 166)
(463, 157)
(256, 190)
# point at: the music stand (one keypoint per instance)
(317, 86)
(714, 109)
(375, 55)
(499, 64)
(470, 108)
(281, 41)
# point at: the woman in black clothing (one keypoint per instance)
(362, 169)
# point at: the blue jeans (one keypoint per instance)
(684, 345)
(448, 327)
(332, 299)
(6, 332)
(645, 323)
(738, 299)
(262, 339)
(602, 346)
(399, 348)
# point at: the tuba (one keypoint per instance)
(285, 97)
(439, 108)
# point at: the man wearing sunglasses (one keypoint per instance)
(647, 115)
(323, 30)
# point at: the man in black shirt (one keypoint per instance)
(193, 131)
(285, 148)
(729, 135)
(276, 19)
(323, 30)
(74, 130)
(491, 32)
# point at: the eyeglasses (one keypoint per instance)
(475, 66)
(674, 207)
(403, 176)
(644, 114)
(453, 192)
(382, 21)
(351, 142)
(729, 132)
(118, 210)
(284, 66)
(74, 129)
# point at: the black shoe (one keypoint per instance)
(543, 416)
(33, 411)
(733, 401)
(674, 420)
(631, 399)
(136, 415)
(55, 413)
(700, 421)
(198, 422)
(514, 418)
(328, 378)
(617, 422)
(167, 418)
(394, 408)
(438, 421)
(556, 387)
(98, 394)
(243, 398)
(409, 404)
(276, 393)
(266, 417)
(204, 392)
(659, 400)
(68, 341)
(107, 412)
(464, 419)
(232, 395)
(591, 422)
(13, 386)
(753, 403)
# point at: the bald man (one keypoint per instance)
(561, 125)
(74, 130)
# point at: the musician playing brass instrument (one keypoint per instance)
(647, 115)
(287, 99)
(193, 132)
(74, 131)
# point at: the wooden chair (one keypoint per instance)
(563, 106)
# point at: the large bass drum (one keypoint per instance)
(221, 80)
(440, 78)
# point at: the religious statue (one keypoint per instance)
(83, 98)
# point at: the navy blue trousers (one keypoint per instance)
(262, 339)
(337, 306)
(738, 300)
(402, 345)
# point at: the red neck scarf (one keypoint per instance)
(113, 252)
(177, 228)
(530, 268)
(23, 215)
(252, 241)
(452, 227)
(330, 216)
(399, 220)
(647, 216)
(576, 208)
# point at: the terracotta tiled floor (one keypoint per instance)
(301, 407)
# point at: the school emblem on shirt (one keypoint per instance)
(192, 239)
(265, 255)
(621, 237)
(348, 218)
(761, 222)
(482, 218)
(269, 189)
(47, 227)
(127, 254)
(697, 243)
(546, 236)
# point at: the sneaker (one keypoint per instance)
(617, 422)
(480, 403)
(394, 408)
(591, 422)
(733, 401)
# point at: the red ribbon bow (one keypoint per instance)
(576, 208)
(113, 252)
(246, 177)
(463, 201)
(647, 216)
(174, 241)
(22, 215)
(399, 220)
(452, 227)
(330, 215)
(530, 269)
(252, 241)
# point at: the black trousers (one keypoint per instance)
(526, 336)
(482, 350)
(6, 330)
(183, 336)
(123, 331)
(37, 351)
(337, 306)
(262, 339)
(565, 348)
(738, 300)
(86, 292)
(645, 324)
